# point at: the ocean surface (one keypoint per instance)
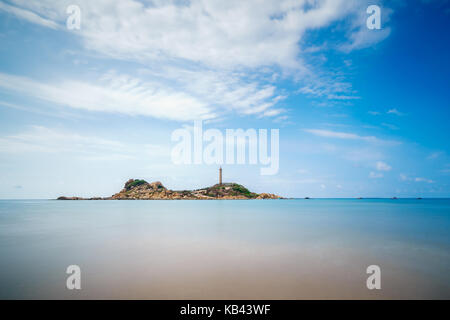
(228, 249)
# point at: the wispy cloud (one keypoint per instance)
(217, 33)
(395, 112)
(359, 36)
(329, 88)
(340, 135)
(40, 139)
(375, 175)
(176, 94)
(225, 44)
(120, 94)
(29, 16)
(383, 166)
(423, 180)
(405, 177)
(347, 136)
(225, 90)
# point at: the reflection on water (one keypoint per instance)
(271, 249)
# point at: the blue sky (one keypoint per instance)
(360, 112)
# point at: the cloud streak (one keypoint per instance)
(404, 177)
(28, 16)
(44, 140)
(382, 166)
(375, 175)
(347, 136)
(395, 112)
(113, 94)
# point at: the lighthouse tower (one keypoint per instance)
(220, 176)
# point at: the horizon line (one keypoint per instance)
(287, 198)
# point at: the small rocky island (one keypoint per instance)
(143, 190)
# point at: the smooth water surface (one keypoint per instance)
(228, 249)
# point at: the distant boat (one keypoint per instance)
(419, 198)
(359, 198)
(394, 198)
(307, 198)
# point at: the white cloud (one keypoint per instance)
(404, 177)
(40, 139)
(219, 33)
(49, 113)
(115, 94)
(346, 136)
(395, 112)
(382, 166)
(213, 54)
(28, 15)
(423, 180)
(360, 36)
(176, 94)
(274, 112)
(364, 38)
(375, 175)
(339, 135)
(329, 88)
(282, 119)
(225, 90)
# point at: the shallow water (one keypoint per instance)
(268, 249)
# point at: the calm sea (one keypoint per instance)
(269, 249)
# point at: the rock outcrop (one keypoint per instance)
(142, 190)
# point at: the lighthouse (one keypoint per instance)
(220, 176)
